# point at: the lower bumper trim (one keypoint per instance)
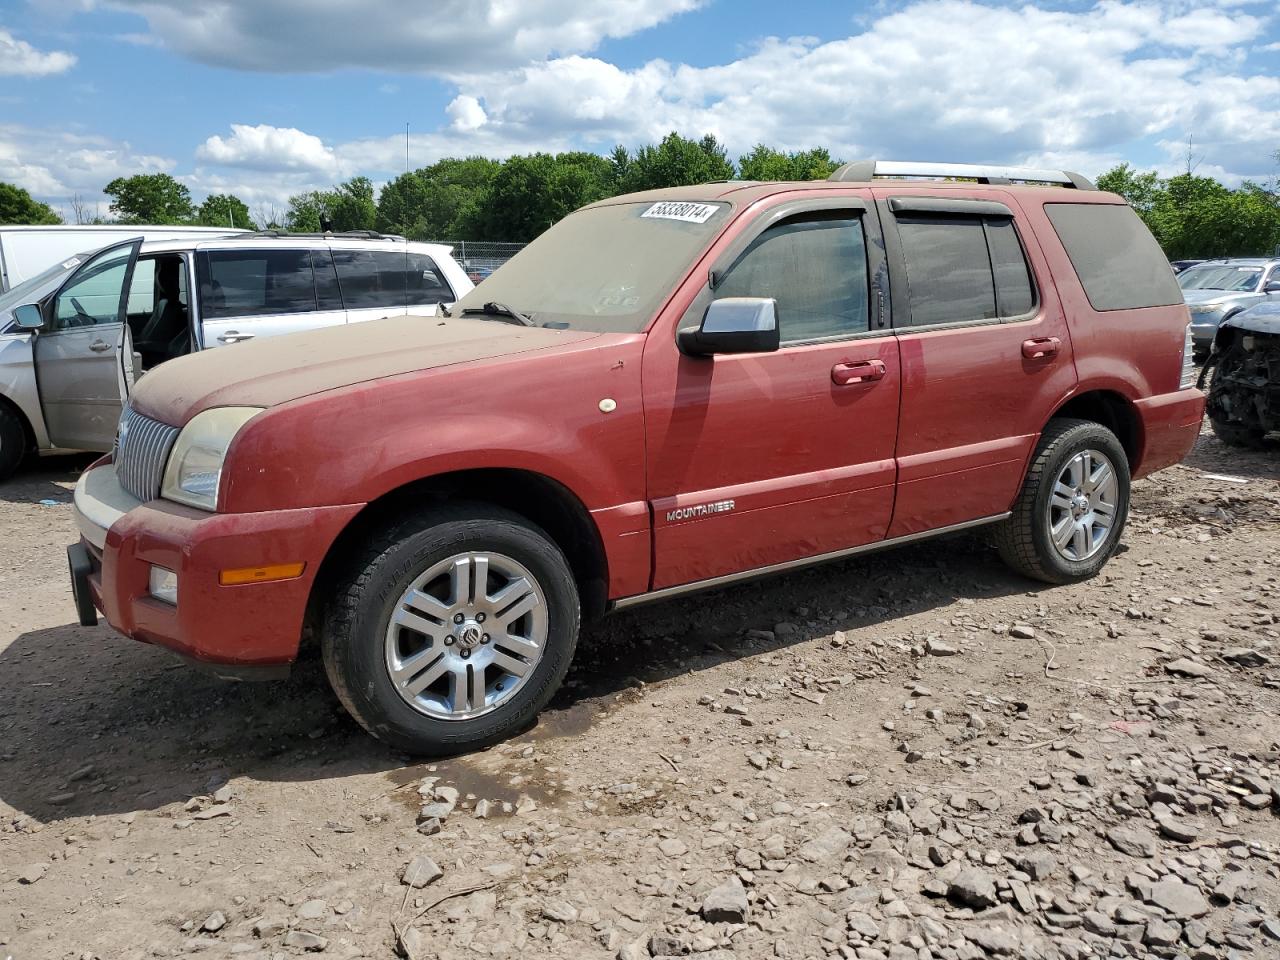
(81, 567)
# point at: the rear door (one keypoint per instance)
(78, 354)
(760, 459)
(986, 355)
(373, 282)
(426, 286)
(248, 292)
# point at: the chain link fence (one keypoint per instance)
(479, 258)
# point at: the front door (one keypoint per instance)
(760, 459)
(986, 354)
(78, 353)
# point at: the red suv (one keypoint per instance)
(664, 392)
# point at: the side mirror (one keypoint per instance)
(28, 317)
(733, 325)
(1273, 286)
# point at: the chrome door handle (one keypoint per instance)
(234, 336)
(99, 346)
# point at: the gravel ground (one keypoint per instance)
(912, 755)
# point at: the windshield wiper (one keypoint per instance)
(492, 309)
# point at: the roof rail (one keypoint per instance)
(327, 235)
(864, 171)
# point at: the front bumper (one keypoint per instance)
(1203, 330)
(1170, 423)
(245, 626)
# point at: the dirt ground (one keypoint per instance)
(914, 754)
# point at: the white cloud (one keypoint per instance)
(268, 148)
(442, 37)
(56, 165)
(466, 113)
(20, 59)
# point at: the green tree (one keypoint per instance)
(677, 161)
(224, 210)
(18, 206)
(307, 210)
(765, 163)
(1140, 189)
(531, 193)
(438, 202)
(150, 198)
(352, 206)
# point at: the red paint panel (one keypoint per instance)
(1170, 424)
(624, 530)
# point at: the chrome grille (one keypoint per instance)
(141, 452)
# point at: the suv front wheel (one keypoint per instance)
(452, 630)
(1073, 506)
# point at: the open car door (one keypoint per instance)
(83, 353)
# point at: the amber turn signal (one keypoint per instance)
(276, 571)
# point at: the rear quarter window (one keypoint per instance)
(1119, 263)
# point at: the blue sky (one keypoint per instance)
(275, 96)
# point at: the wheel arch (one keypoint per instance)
(1112, 410)
(543, 501)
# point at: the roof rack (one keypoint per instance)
(326, 235)
(864, 171)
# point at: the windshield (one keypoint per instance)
(605, 269)
(1220, 276)
(33, 288)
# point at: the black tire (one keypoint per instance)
(1023, 539)
(355, 624)
(1236, 435)
(13, 442)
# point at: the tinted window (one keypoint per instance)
(371, 278)
(948, 269)
(328, 296)
(817, 271)
(426, 282)
(1009, 264)
(250, 283)
(1119, 263)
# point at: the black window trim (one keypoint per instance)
(878, 275)
(901, 299)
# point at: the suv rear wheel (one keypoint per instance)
(452, 630)
(1073, 506)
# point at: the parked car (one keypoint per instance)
(72, 341)
(1180, 265)
(27, 251)
(1244, 397)
(665, 392)
(1218, 289)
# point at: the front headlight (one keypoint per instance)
(195, 465)
(1200, 309)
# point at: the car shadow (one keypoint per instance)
(50, 478)
(94, 724)
(1211, 455)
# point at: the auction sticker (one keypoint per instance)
(688, 212)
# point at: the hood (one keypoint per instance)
(1215, 296)
(1264, 318)
(278, 369)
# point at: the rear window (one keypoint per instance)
(250, 283)
(371, 278)
(1119, 263)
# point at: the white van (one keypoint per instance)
(27, 251)
(73, 341)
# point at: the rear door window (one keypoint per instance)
(948, 269)
(815, 268)
(1119, 263)
(371, 278)
(251, 283)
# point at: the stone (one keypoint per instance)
(434, 811)
(1022, 631)
(313, 910)
(267, 927)
(1158, 933)
(1039, 865)
(1184, 667)
(672, 847)
(727, 903)
(1180, 900)
(214, 922)
(828, 845)
(429, 827)
(561, 911)
(1133, 841)
(665, 945)
(973, 888)
(305, 941)
(33, 873)
(1176, 829)
(863, 926)
(484, 810)
(1245, 657)
(420, 872)
(993, 941)
(940, 648)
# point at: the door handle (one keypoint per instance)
(234, 336)
(1040, 348)
(99, 346)
(861, 371)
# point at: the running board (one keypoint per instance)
(698, 585)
